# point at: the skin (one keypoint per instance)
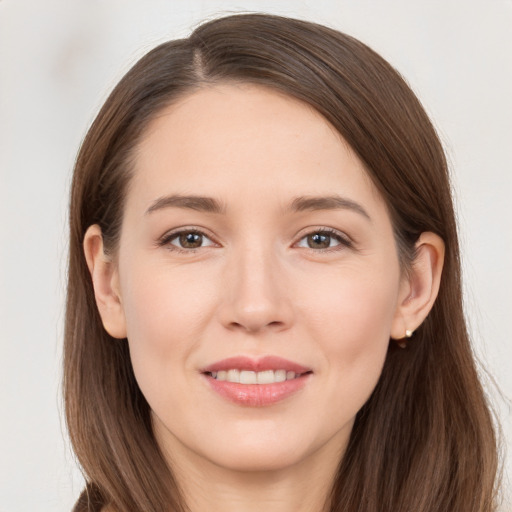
(257, 285)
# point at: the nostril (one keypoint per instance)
(247, 312)
(256, 326)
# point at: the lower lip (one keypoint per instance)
(257, 395)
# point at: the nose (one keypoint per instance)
(256, 296)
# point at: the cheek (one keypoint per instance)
(165, 314)
(351, 320)
(354, 308)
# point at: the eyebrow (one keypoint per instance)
(299, 204)
(199, 203)
(334, 202)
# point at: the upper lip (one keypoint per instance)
(259, 364)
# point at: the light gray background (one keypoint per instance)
(59, 59)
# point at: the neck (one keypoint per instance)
(303, 487)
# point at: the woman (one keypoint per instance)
(264, 301)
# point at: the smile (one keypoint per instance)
(256, 382)
(250, 377)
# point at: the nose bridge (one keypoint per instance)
(255, 295)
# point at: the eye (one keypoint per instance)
(187, 239)
(323, 239)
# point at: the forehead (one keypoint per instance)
(233, 139)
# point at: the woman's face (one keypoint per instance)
(255, 247)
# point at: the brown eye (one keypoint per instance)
(190, 240)
(324, 239)
(318, 241)
(183, 240)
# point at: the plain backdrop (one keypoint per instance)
(58, 61)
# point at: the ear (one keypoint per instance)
(419, 287)
(105, 279)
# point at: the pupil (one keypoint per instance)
(319, 241)
(191, 240)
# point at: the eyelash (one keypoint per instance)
(343, 240)
(169, 237)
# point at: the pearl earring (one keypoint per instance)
(402, 343)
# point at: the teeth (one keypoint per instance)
(266, 377)
(249, 377)
(280, 375)
(233, 376)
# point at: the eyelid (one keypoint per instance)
(344, 240)
(168, 236)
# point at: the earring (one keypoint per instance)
(402, 343)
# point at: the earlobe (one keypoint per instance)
(420, 286)
(105, 281)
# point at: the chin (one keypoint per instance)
(257, 459)
(267, 450)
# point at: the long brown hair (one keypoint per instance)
(424, 441)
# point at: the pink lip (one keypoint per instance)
(257, 395)
(256, 365)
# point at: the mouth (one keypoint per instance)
(250, 377)
(256, 382)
